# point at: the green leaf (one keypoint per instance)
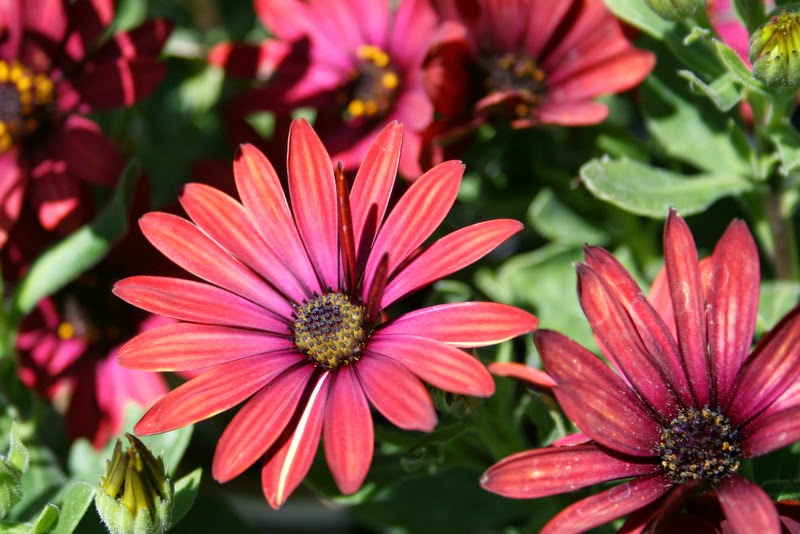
(690, 132)
(78, 252)
(198, 93)
(777, 298)
(648, 191)
(186, 490)
(787, 141)
(17, 454)
(638, 14)
(74, 504)
(737, 67)
(46, 519)
(723, 91)
(555, 221)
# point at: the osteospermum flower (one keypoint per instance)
(528, 62)
(689, 402)
(357, 62)
(289, 315)
(55, 67)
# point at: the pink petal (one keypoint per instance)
(119, 83)
(185, 346)
(412, 26)
(197, 302)
(226, 222)
(553, 470)
(747, 507)
(436, 363)
(348, 431)
(533, 377)
(311, 187)
(571, 113)
(688, 304)
(12, 186)
(262, 195)
(769, 372)
(248, 61)
(543, 18)
(464, 324)
(595, 398)
(608, 505)
(396, 393)
(650, 327)
(287, 466)
(404, 230)
(373, 185)
(213, 392)
(87, 152)
(186, 245)
(618, 73)
(448, 255)
(733, 292)
(259, 423)
(54, 193)
(770, 433)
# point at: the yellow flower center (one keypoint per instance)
(373, 87)
(330, 329)
(519, 74)
(25, 99)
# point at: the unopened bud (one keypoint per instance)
(675, 9)
(775, 51)
(135, 495)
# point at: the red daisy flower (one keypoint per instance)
(54, 69)
(357, 62)
(689, 403)
(529, 62)
(289, 316)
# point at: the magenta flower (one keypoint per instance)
(357, 62)
(289, 316)
(55, 68)
(689, 402)
(528, 62)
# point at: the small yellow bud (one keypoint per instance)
(775, 51)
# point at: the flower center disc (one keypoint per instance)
(699, 445)
(24, 99)
(330, 329)
(517, 73)
(373, 87)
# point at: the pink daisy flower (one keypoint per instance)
(289, 315)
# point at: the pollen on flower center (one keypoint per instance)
(24, 100)
(330, 329)
(517, 73)
(699, 445)
(373, 86)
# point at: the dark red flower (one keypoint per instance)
(55, 67)
(356, 62)
(528, 62)
(289, 315)
(689, 402)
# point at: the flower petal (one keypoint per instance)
(553, 470)
(448, 255)
(213, 392)
(747, 507)
(396, 393)
(311, 187)
(227, 222)
(533, 377)
(608, 505)
(770, 433)
(186, 245)
(733, 292)
(404, 230)
(259, 423)
(262, 195)
(185, 346)
(287, 466)
(372, 187)
(197, 302)
(688, 304)
(348, 432)
(436, 363)
(595, 398)
(464, 324)
(118, 83)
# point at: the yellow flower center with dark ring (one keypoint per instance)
(330, 329)
(699, 445)
(519, 73)
(373, 87)
(25, 99)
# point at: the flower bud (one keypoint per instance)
(775, 51)
(675, 9)
(135, 495)
(11, 469)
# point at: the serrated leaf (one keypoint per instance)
(723, 91)
(645, 190)
(74, 504)
(787, 141)
(737, 67)
(186, 490)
